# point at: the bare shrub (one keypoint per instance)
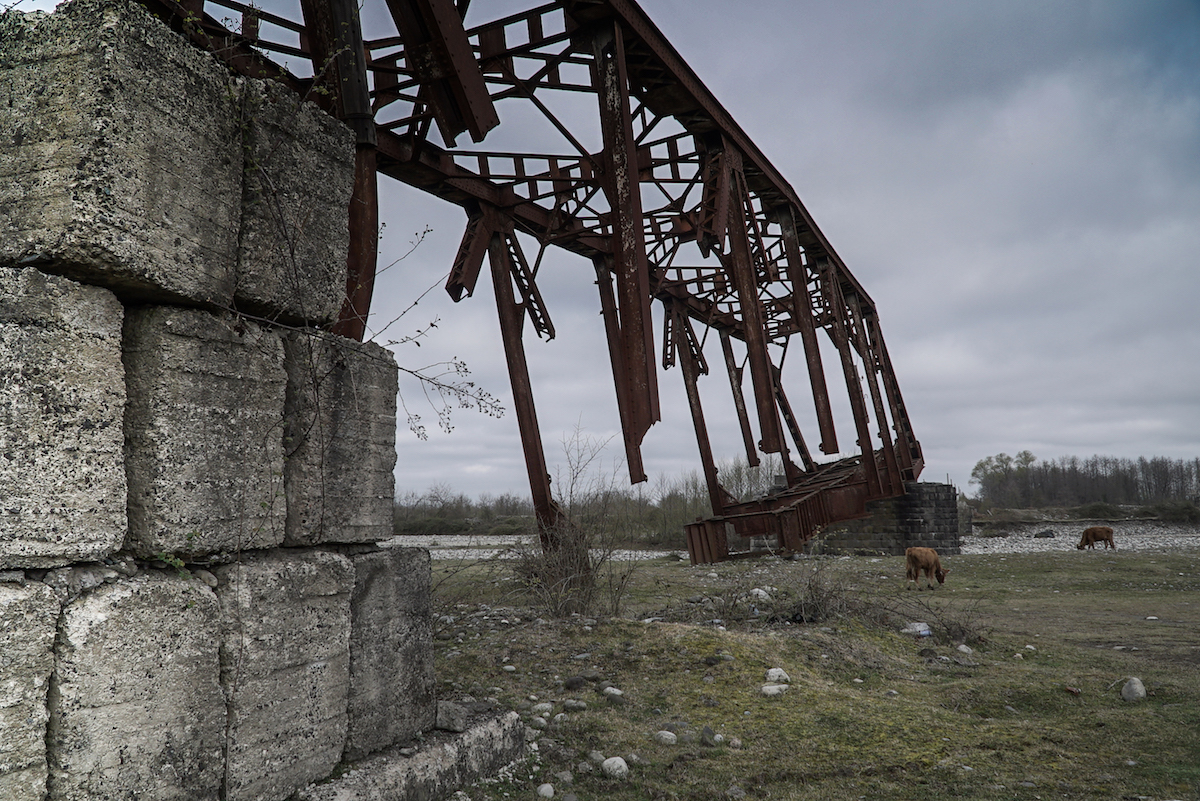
(949, 621)
(580, 574)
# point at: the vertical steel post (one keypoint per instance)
(838, 331)
(549, 517)
(334, 34)
(911, 458)
(745, 281)
(739, 399)
(691, 372)
(802, 309)
(627, 401)
(623, 190)
(894, 483)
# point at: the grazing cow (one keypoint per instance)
(1097, 534)
(924, 560)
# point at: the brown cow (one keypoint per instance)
(923, 560)
(1097, 534)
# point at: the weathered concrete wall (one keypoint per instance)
(125, 163)
(62, 389)
(926, 515)
(28, 623)
(139, 164)
(136, 709)
(341, 410)
(158, 445)
(285, 667)
(204, 433)
(391, 651)
(298, 175)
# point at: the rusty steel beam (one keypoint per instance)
(739, 398)
(620, 184)
(802, 310)
(742, 275)
(909, 449)
(633, 418)
(691, 360)
(548, 514)
(438, 52)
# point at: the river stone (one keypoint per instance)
(615, 768)
(451, 716)
(339, 439)
(28, 622)
(136, 708)
(1134, 690)
(285, 668)
(123, 165)
(62, 401)
(204, 432)
(778, 676)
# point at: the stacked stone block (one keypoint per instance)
(295, 207)
(136, 709)
(926, 515)
(391, 662)
(340, 410)
(124, 168)
(28, 624)
(192, 605)
(62, 390)
(285, 667)
(204, 432)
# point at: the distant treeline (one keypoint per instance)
(1022, 481)
(651, 513)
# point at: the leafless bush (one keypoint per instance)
(579, 574)
(949, 621)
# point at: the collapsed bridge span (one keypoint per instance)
(654, 184)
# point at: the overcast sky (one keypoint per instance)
(1016, 185)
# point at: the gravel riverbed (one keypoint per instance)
(1130, 535)
(1020, 538)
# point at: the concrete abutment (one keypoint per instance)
(193, 473)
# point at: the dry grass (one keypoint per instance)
(870, 713)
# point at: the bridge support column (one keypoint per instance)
(512, 316)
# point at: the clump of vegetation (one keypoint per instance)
(1172, 512)
(1098, 511)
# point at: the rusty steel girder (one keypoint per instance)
(672, 202)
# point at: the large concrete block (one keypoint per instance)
(204, 432)
(340, 439)
(298, 179)
(121, 159)
(136, 709)
(285, 667)
(62, 394)
(28, 622)
(391, 650)
(445, 763)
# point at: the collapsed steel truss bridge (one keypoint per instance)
(652, 181)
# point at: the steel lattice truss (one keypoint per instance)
(625, 158)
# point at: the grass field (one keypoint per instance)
(1034, 711)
